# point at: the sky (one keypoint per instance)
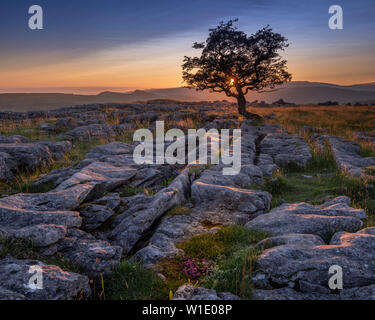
(121, 45)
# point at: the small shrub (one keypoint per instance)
(366, 150)
(233, 274)
(195, 268)
(178, 210)
(132, 281)
(17, 248)
(212, 246)
(130, 191)
(167, 182)
(277, 184)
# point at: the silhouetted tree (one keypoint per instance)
(234, 63)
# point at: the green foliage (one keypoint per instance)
(167, 182)
(231, 251)
(178, 211)
(128, 191)
(277, 184)
(233, 274)
(225, 241)
(27, 129)
(232, 248)
(23, 249)
(366, 150)
(24, 181)
(292, 187)
(132, 281)
(17, 248)
(197, 170)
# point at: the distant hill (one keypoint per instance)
(49, 101)
(300, 92)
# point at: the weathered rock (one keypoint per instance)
(99, 177)
(203, 219)
(41, 235)
(107, 167)
(302, 218)
(57, 149)
(10, 295)
(368, 137)
(28, 156)
(56, 176)
(171, 230)
(47, 127)
(96, 257)
(286, 149)
(290, 294)
(218, 200)
(89, 132)
(236, 199)
(55, 200)
(227, 190)
(17, 153)
(13, 215)
(305, 268)
(100, 153)
(57, 284)
(131, 226)
(346, 154)
(13, 139)
(307, 240)
(248, 175)
(94, 215)
(7, 167)
(63, 123)
(266, 164)
(190, 292)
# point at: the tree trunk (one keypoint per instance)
(242, 108)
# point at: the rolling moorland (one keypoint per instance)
(300, 92)
(74, 202)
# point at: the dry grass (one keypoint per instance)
(338, 120)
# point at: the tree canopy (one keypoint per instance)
(235, 63)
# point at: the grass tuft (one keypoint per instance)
(131, 281)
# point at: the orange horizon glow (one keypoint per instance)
(157, 65)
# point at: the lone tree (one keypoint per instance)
(234, 63)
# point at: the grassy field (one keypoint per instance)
(337, 120)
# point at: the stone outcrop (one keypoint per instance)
(96, 213)
(57, 284)
(302, 218)
(218, 200)
(347, 156)
(294, 271)
(285, 150)
(89, 132)
(95, 257)
(190, 292)
(132, 224)
(18, 153)
(368, 137)
(107, 167)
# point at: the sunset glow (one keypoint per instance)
(123, 51)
